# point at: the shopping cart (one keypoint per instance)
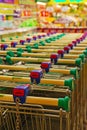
(32, 116)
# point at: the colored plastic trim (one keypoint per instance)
(74, 72)
(42, 43)
(20, 49)
(82, 56)
(28, 46)
(19, 54)
(29, 49)
(1, 60)
(2, 88)
(36, 46)
(85, 52)
(47, 41)
(78, 62)
(8, 60)
(11, 38)
(64, 103)
(17, 37)
(10, 53)
(3, 40)
(69, 83)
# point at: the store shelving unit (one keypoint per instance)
(12, 15)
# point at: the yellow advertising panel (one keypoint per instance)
(27, 2)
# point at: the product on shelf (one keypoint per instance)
(65, 15)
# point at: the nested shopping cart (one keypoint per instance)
(49, 117)
(32, 116)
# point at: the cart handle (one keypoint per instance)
(63, 103)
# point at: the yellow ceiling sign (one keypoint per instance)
(4, 5)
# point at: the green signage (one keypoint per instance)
(45, 1)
